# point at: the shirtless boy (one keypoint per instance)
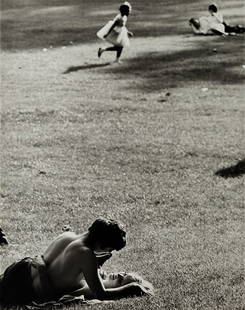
(70, 263)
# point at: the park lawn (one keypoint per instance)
(139, 142)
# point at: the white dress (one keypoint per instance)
(119, 34)
(209, 23)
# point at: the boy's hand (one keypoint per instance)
(130, 34)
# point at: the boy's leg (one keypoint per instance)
(1, 289)
(100, 51)
(118, 49)
(217, 32)
(119, 52)
(111, 48)
(108, 49)
(16, 283)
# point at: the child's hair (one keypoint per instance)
(108, 233)
(146, 285)
(125, 8)
(213, 7)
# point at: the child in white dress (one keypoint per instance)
(212, 24)
(116, 33)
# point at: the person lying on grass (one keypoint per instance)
(117, 280)
(71, 262)
(212, 24)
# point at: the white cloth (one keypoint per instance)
(119, 34)
(65, 300)
(209, 23)
(104, 30)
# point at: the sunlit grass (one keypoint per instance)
(139, 143)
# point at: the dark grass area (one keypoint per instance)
(208, 60)
(39, 24)
(140, 142)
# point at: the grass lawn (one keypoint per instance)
(139, 142)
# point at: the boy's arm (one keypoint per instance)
(129, 290)
(85, 291)
(101, 259)
(95, 282)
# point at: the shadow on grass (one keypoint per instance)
(233, 171)
(85, 67)
(37, 24)
(217, 60)
(57, 23)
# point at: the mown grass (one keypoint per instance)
(140, 142)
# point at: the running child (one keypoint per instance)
(116, 33)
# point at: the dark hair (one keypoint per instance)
(108, 233)
(124, 9)
(213, 7)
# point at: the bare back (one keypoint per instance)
(72, 266)
(63, 273)
(58, 246)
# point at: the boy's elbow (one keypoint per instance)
(103, 295)
(107, 295)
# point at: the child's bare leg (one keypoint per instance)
(119, 52)
(108, 49)
(118, 49)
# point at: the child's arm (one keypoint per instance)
(219, 17)
(112, 27)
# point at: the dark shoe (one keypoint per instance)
(100, 52)
(3, 239)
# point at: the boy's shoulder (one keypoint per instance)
(68, 234)
(82, 254)
(79, 246)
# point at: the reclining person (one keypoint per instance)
(70, 263)
(115, 280)
(212, 24)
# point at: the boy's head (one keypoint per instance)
(125, 8)
(213, 8)
(107, 234)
